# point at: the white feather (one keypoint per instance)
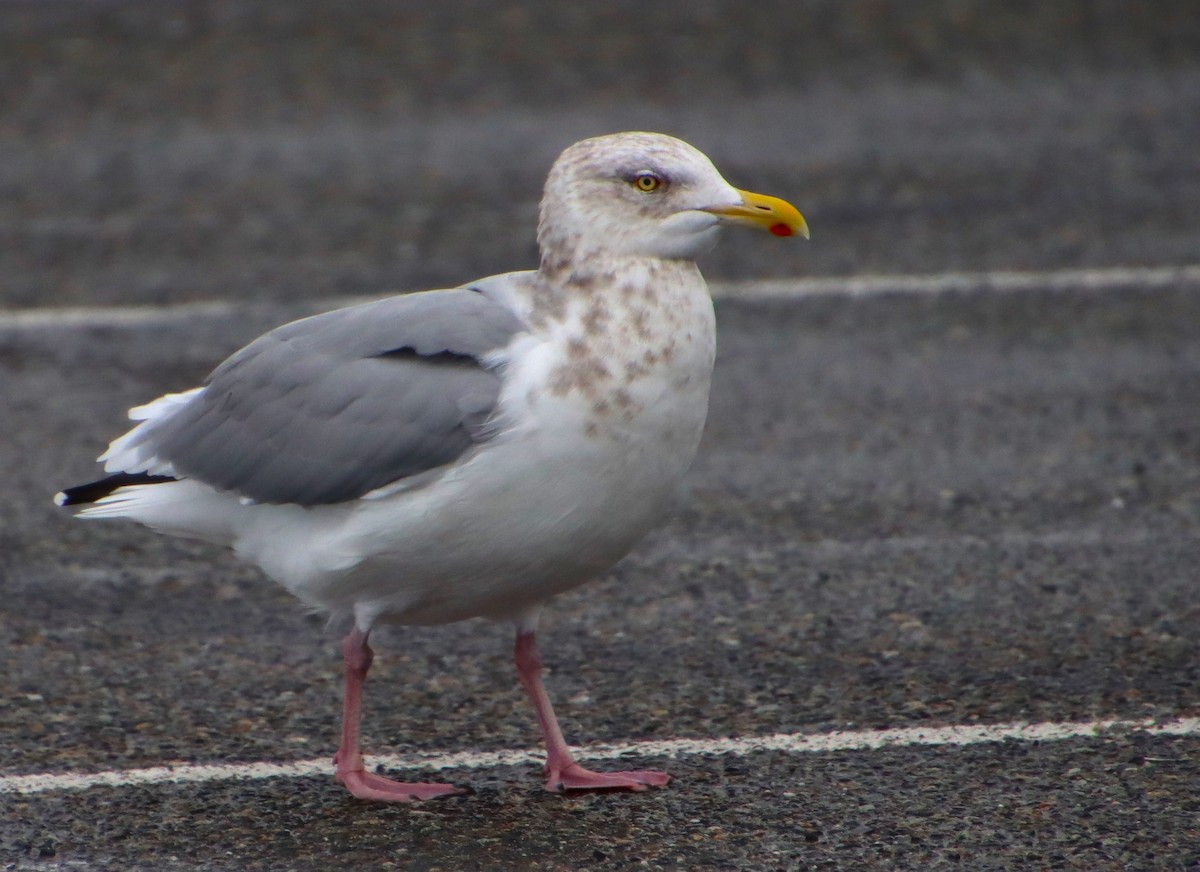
(128, 453)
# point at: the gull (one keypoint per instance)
(466, 452)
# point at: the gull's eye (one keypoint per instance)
(647, 182)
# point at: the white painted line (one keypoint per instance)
(111, 316)
(1151, 278)
(792, 743)
(1146, 278)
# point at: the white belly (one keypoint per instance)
(551, 502)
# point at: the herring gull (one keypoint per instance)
(469, 452)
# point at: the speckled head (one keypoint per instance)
(645, 195)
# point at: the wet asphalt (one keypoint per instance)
(908, 509)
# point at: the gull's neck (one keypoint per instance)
(597, 290)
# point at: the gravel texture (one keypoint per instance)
(908, 510)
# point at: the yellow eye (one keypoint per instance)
(647, 182)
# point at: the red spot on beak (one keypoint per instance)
(781, 230)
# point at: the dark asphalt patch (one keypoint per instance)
(1127, 803)
(907, 510)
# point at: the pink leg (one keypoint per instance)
(366, 785)
(562, 772)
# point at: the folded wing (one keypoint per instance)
(332, 407)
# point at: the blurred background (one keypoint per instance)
(908, 510)
(174, 150)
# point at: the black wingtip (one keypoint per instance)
(98, 490)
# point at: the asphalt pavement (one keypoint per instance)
(912, 508)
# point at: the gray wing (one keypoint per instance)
(328, 408)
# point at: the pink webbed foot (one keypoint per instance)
(562, 772)
(575, 777)
(368, 785)
(349, 762)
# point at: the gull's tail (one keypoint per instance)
(93, 491)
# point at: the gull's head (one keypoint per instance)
(647, 195)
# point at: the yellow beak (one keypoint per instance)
(778, 216)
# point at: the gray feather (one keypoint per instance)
(331, 407)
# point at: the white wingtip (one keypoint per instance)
(60, 499)
(129, 452)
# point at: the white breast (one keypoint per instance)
(600, 418)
